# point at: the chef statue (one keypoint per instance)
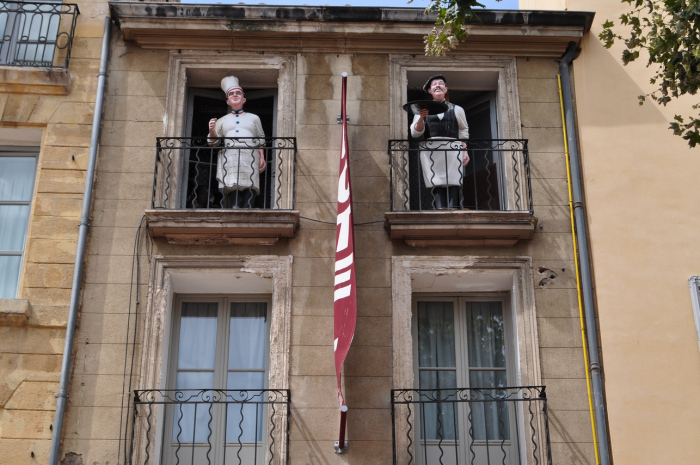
(240, 164)
(442, 169)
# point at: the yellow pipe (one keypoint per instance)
(578, 277)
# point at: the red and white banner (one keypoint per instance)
(344, 296)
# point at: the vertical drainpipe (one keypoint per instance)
(584, 259)
(62, 395)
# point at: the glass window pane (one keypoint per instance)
(244, 417)
(197, 345)
(485, 334)
(436, 334)
(17, 178)
(191, 419)
(13, 226)
(39, 28)
(247, 341)
(489, 419)
(9, 275)
(438, 418)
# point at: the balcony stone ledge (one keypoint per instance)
(29, 80)
(14, 312)
(222, 227)
(460, 228)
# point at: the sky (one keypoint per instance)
(491, 4)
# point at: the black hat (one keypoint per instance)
(426, 86)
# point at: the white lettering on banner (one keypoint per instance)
(344, 235)
(343, 191)
(342, 277)
(343, 263)
(341, 293)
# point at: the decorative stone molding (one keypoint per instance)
(324, 29)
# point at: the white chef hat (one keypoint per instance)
(229, 83)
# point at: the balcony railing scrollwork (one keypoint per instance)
(37, 34)
(496, 178)
(250, 427)
(477, 426)
(192, 174)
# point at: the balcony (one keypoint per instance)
(188, 206)
(477, 426)
(245, 427)
(36, 39)
(489, 201)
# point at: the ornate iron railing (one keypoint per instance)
(203, 426)
(37, 34)
(478, 426)
(497, 176)
(188, 172)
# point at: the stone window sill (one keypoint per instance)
(221, 227)
(460, 228)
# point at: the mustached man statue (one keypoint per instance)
(442, 169)
(239, 166)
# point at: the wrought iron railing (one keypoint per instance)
(37, 34)
(189, 171)
(497, 176)
(204, 426)
(477, 426)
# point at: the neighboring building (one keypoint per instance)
(640, 182)
(190, 308)
(49, 59)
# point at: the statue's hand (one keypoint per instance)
(212, 127)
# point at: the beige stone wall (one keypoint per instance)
(640, 182)
(134, 117)
(30, 355)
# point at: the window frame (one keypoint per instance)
(224, 302)
(462, 367)
(21, 152)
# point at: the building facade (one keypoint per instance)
(49, 60)
(641, 236)
(205, 331)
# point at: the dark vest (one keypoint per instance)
(445, 127)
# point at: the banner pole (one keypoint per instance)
(344, 294)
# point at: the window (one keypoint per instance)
(485, 337)
(29, 32)
(496, 177)
(219, 361)
(463, 351)
(17, 174)
(187, 165)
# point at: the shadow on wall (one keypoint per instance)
(600, 72)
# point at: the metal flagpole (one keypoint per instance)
(344, 295)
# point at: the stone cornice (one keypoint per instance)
(339, 29)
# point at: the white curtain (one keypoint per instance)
(16, 186)
(486, 348)
(246, 370)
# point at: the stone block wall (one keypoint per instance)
(31, 351)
